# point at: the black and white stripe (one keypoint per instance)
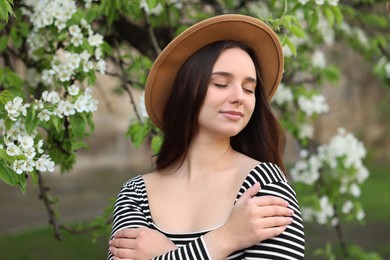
(132, 210)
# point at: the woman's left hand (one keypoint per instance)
(139, 244)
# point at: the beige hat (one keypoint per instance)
(256, 34)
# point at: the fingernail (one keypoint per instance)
(291, 212)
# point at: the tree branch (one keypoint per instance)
(43, 195)
(151, 34)
(125, 86)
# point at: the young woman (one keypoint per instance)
(218, 191)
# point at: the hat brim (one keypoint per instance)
(256, 34)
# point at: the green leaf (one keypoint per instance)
(5, 156)
(79, 145)
(329, 15)
(5, 95)
(156, 143)
(31, 120)
(290, 45)
(22, 182)
(78, 125)
(34, 176)
(331, 73)
(3, 43)
(8, 123)
(313, 21)
(337, 14)
(8, 175)
(137, 133)
(297, 31)
(6, 9)
(56, 123)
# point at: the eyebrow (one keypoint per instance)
(230, 75)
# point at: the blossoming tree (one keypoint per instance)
(46, 108)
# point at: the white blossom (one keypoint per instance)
(306, 131)
(319, 2)
(361, 36)
(333, 2)
(387, 69)
(29, 152)
(283, 95)
(303, 2)
(95, 40)
(73, 90)
(44, 164)
(13, 149)
(88, 66)
(2, 127)
(355, 190)
(39, 146)
(15, 108)
(98, 53)
(74, 30)
(313, 105)
(44, 115)
(360, 215)
(77, 40)
(101, 66)
(347, 207)
(19, 166)
(326, 211)
(143, 112)
(318, 59)
(29, 165)
(26, 142)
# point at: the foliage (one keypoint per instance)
(46, 113)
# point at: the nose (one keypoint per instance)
(237, 95)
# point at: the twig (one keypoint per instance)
(126, 88)
(343, 243)
(124, 79)
(104, 97)
(87, 229)
(152, 36)
(48, 204)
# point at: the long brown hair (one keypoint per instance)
(262, 139)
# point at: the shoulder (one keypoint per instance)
(133, 187)
(266, 173)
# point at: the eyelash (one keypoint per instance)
(224, 85)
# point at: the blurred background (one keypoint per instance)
(358, 102)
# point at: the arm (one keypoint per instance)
(132, 237)
(291, 243)
(130, 226)
(235, 234)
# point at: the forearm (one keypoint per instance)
(194, 250)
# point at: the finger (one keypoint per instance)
(126, 233)
(272, 222)
(269, 200)
(122, 243)
(272, 232)
(274, 211)
(122, 253)
(249, 193)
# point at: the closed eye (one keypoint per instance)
(249, 91)
(220, 85)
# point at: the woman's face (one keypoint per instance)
(230, 98)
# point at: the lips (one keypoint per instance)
(232, 115)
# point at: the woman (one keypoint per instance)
(218, 190)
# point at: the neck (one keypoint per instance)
(207, 155)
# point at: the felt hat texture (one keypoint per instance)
(241, 28)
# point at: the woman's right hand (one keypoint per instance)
(252, 220)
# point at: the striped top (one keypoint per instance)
(132, 210)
